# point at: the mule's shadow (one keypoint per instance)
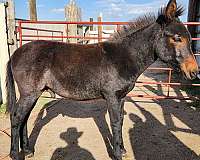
(72, 150)
(96, 109)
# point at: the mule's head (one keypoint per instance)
(173, 43)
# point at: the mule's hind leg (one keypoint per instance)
(24, 141)
(18, 116)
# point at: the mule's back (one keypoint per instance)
(68, 69)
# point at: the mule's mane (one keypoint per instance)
(134, 26)
(142, 22)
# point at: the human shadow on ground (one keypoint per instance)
(72, 151)
(95, 109)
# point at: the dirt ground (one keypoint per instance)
(153, 129)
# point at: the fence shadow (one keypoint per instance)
(154, 141)
(75, 109)
(151, 140)
(181, 110)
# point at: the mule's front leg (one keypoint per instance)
(123, 150)
(115, 109)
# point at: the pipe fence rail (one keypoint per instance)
(168, 83)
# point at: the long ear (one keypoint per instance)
(171, 9)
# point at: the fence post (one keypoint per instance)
(12, 37)
(4, 54)
(91, 26)
(33, 10)
(100, 29)
(118, 27)
(20, 33)
(169, 81)
(192, 16)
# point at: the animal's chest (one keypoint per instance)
(115, 83)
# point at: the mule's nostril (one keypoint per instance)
(193, 75)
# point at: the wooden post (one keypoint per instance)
(8, 40)
(118, 27)
(4, 55)
(91, 26)
(73, 14)
(12, 37)
(33, 10)
(192, 13)
(100, 29)
(192, 10)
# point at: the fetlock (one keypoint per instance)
(14, 155)
(123, 151)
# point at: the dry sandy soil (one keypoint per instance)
(153, 129)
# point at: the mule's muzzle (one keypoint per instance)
(190, 75)
(189, 68)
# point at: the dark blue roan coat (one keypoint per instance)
(105, 70)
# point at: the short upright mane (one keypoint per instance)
(134, 26)
(142, 22)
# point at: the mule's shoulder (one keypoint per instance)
(115, 51)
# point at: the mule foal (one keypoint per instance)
(105, 70)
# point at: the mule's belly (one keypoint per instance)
(77, 94)
(74, 89)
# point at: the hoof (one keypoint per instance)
(14, 156)
(123, 151)
(116, 158)
(29, 158)
(28, 153)
(126, 157)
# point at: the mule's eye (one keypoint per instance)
(177, 38)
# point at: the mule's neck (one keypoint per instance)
(140, 46)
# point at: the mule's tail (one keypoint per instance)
(10, 85)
